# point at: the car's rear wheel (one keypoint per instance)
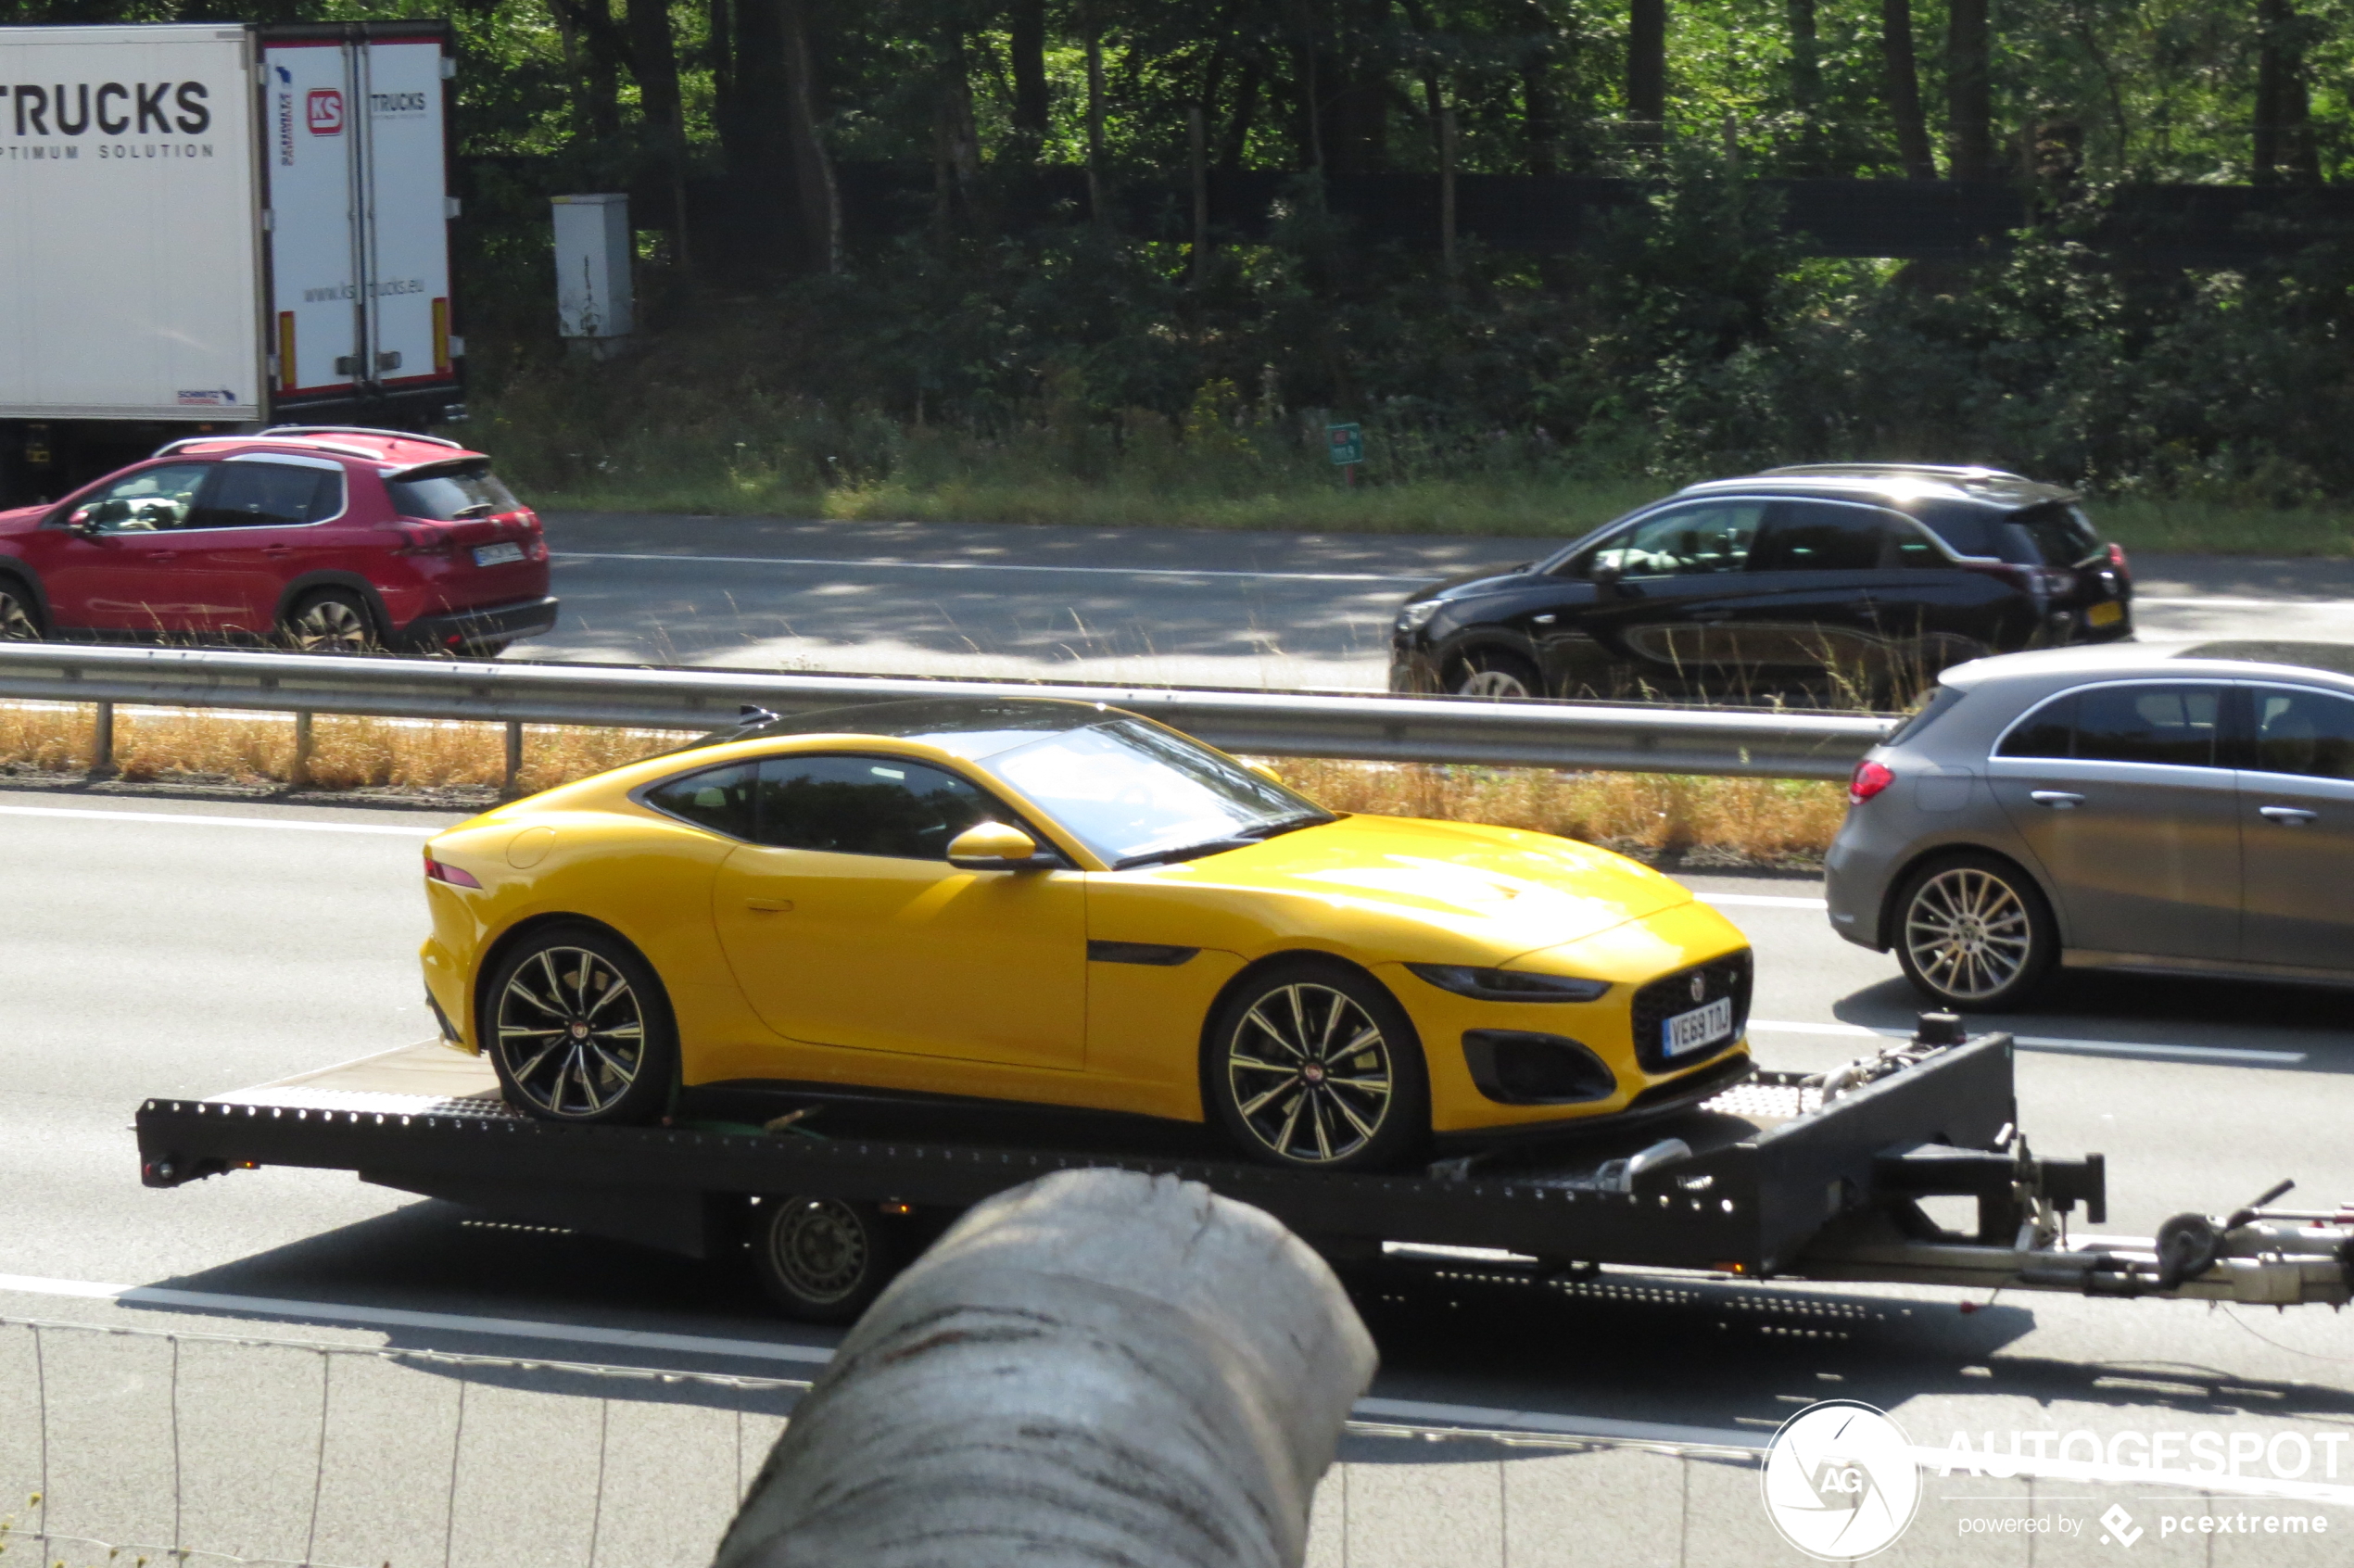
(333, 622)
(579, 1029)
(1312, 1064)
(1974, 933)
(20, 613)
(821, 1259)
(1493, 672)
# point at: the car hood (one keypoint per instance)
(22, 519)
(1509, 892)
(1466, 583)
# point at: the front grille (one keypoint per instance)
(1671, 995)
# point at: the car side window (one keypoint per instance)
(2172, 726)
(262, 495)
(147, 501)
(1812, 536)
(2307, 733)
(1683, 541)
(717, 798)
(1909, 548)
(867, 806)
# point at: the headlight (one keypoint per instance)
(1413, 617)
(1509, 985)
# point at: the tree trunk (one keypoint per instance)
(726, 100)
(814, 194)
(1236, 140)
(593, 47)
(1309, 90)
(1903, 90)
(1098, 202)
(1032, 107)
(653, 58)
(1969, 141)
(1647, 70)
(2284, 136)
(955, 134)
(1806, 81)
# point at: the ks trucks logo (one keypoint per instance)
(325, 111)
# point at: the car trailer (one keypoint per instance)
(1783, 1176)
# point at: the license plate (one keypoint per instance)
(2105, 615)
(498, 554)
(1702, 1026)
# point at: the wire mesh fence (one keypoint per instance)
(131, 1446)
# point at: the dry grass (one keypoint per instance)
(1755, 821)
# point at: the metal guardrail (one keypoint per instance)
(1618, 737)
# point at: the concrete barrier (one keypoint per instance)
(1099, 1367)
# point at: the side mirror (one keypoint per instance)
(81, 521)
(1605, 575)
(992, 846)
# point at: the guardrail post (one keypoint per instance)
(299, 774)
(102, 742)
(1099, 1367)
(514, 756)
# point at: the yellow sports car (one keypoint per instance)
(1066, 905)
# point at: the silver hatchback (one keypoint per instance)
(2169, 810)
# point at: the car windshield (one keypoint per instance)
(448, 494)
(1135, 794)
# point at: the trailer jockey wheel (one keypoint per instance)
(820, 1260)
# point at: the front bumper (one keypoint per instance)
(459, 629)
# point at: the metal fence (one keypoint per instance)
(1754, 742)
(125, 1445)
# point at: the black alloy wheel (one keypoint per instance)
(821, 1259)
(1974, 933)
(580, 1030)
(333, 622)
(1314, 1065)
(19, 617)
(1494, 673)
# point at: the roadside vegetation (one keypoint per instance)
(1695, 821)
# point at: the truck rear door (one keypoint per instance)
(358, 165)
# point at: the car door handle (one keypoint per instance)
(164, 555)
(277, 552)
(1544, 620)
(2294, 816)
(770, 906)
(2059, 800)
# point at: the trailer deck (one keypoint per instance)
(1787, 1175)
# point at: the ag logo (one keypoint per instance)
(325, 108)
(1840, 1481)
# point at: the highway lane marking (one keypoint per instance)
(1014, 566)
(2056, 1043)
(1392, 1411)
(2246, 603)
(196, 820)
(1760, 900)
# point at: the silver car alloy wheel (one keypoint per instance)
(330, 626)
(571, 1034)
(1310, 1073)
(1492, 683)
(818, 1248)
(17, 624)
(1968, 932)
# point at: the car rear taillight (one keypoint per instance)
(1869, 779)
(442, 871)
(424, 538)
(2117, 560)
(2044, 582)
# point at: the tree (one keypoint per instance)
(1902, 90)
(1970, 145)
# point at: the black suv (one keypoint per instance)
(1842, 581)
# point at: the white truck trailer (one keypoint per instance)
(211, 226)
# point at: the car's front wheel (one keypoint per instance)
(20, 615)
(579, 1029)
(1974, 933)
(1496, 673)
(1312, 1064)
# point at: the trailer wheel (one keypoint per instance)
(1310, 1064)
(20, 613)
(820, 1260)
(580, 1030)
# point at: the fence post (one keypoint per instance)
(299, 774)
(514, 756)
(102, 742)
(1099, 1367)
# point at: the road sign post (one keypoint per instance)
(1346, 445)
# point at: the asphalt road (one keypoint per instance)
(1146, 605)
(179, 948)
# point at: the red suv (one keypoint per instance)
(325, 538)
